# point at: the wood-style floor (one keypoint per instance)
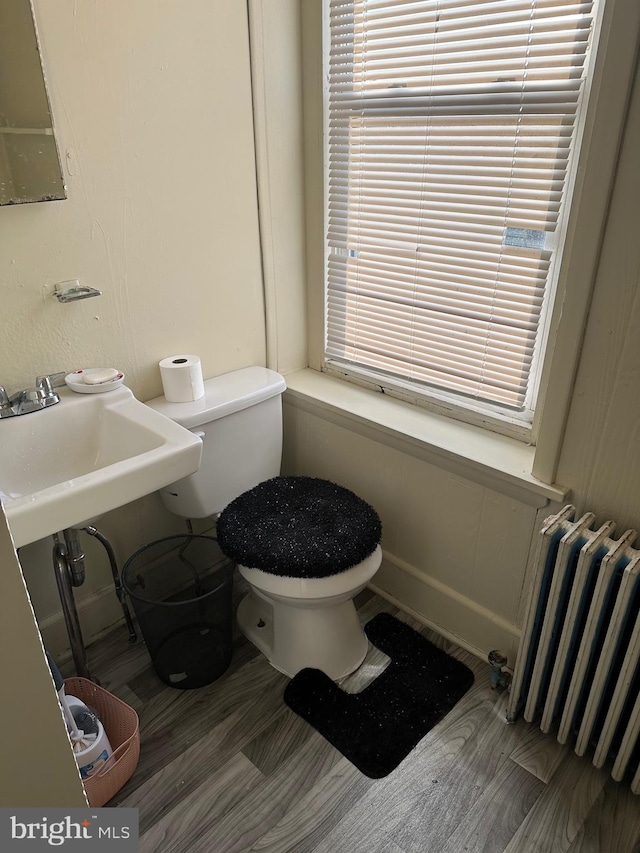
(231, 768)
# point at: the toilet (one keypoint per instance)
(306, 547)
(296, 617)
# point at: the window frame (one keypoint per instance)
(591, 181)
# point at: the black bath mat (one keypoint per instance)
(378, 727)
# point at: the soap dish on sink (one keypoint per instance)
(76, 381)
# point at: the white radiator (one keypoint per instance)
(577, 670)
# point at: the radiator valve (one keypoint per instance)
(498, 660)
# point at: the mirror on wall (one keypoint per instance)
(29, 162)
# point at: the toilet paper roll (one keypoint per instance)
(182, 378)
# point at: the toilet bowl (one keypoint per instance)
(304, 621)
(307, 622)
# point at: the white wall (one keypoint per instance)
(152, 104)
(33, 737)
(455, 550)
(153, 111)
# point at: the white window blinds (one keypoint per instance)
(451, 124)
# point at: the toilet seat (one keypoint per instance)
(321, 588)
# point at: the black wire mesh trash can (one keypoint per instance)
(181, 594)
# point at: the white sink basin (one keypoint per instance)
(88, 454)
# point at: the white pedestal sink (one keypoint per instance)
(84, 456)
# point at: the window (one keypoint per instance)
(452, 129)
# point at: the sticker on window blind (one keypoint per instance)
(525, 238)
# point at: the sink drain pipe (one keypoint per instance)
(62, 563)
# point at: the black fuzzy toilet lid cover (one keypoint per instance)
(301, 527)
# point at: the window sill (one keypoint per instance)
(496, 461)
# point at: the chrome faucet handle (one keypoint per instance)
(5, 404)
(44, 389)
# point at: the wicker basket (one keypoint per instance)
(121, 725)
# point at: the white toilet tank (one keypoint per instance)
(240, 422)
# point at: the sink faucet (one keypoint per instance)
(32, 399)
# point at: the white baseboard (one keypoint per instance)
(456, 617)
